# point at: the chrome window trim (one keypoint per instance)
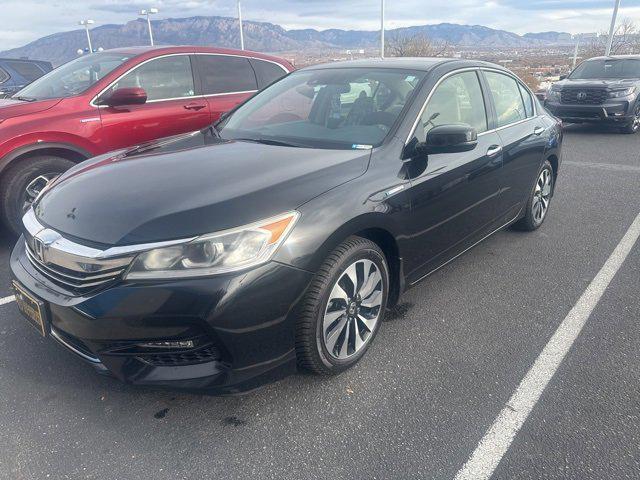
(93, 100)
(471, 69)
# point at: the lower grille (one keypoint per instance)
(583, 96)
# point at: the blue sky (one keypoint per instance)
(27, 20)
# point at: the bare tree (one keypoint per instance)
(415, 46)
(626, 40)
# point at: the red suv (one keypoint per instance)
(115, 99)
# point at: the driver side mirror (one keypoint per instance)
(452, 138)
(125, 96)
(563, 77)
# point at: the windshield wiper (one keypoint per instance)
(268, 141)
(25, 99)
(213, 131)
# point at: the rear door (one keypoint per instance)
(172, 106)
(225, 81)
(523, 137)
(454, 196)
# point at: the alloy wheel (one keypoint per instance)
(636, 118)
(541, 196)
(353, 309)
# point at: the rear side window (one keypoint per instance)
(4, 76)
(458, 99)
(30, 71)
(507, 98)
(267, 72)
(163, 78)
(225, 74)
(528, 101)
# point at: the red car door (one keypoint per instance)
(225, 80)
(172, 106)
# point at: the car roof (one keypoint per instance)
(157, 50)
(615, 57)
(405, 63)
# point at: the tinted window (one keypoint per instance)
(74, 77)
(224, 74)
(163, 78)
(615, 68)
(458, 99)
(28, 70)
(528, 101)
(336, 108)
(4, 76)
(506, 95)
(267, 72)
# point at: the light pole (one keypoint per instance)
(240, 21)
(575, 52)
(612, 28)
(148, 13)
(381, 28)
(85, 24)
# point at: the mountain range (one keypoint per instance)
(265, 37)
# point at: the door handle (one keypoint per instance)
(194, 106)
(494, 150)
(538, 131)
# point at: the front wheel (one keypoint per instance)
(539, 200)
(634, 125)
(343, 308)
(21, 184)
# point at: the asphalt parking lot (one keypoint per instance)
(446, 362)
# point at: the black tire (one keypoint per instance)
(634, 125)
(15, 181)
(529, 223)
(311, 351)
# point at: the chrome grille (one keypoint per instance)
(583, 96)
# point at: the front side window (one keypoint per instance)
(74, 77)
(225, 74)
(4, 76)
(339, 108)
(457, 100)
(163, 78)
(507, 98)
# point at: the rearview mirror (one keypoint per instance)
(449, 139)
(125, 96)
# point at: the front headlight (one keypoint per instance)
(215, 253)
(622, 93)
(553, 93)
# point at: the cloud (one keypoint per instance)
(27, 20)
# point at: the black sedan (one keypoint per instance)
(276, 239)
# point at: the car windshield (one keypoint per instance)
(615, 68)
(337, 108)
(72, 78)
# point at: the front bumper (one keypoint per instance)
(242, 325)
(614, 112)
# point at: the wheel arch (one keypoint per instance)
(63, 150)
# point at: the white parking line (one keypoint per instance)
(498, 438)
(7, 300)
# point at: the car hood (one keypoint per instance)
(598, 83)
(188, 186)
(10, 108)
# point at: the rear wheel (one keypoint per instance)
(21, 184)
(634, 126)
(343, 308)
(539, 200)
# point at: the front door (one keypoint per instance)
(454, 196)
(171, 108)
